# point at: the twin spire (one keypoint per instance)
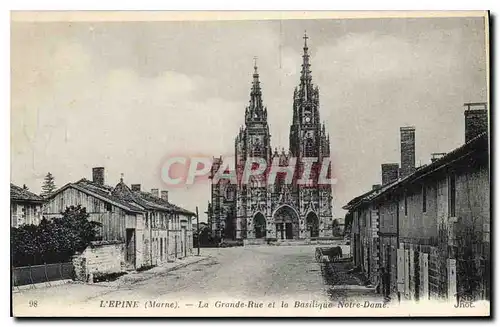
(256, 111)
(305, 75)
(256, 93)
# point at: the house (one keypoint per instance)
(364, 233)
(138, 229)
(25, 206)
(168, 228)
(430, 227)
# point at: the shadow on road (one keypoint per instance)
(343, 281)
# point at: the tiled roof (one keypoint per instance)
(106, 192)
(20, 194)
(146, 200)
(160, 202)
(122, 191)
(122, 196)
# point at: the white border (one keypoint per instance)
(188, 5)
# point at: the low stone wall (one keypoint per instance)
(98, 259)
(318, 241)
(254, 241)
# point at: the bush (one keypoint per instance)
(55, 240)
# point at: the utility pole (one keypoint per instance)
(198, 230)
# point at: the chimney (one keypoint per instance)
(136, 187)
(155, 192)
(390, 172)
(164, 195)
(407, 151)
(98, 175)
(376, 186)
(476, 120)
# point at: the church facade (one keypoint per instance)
(287, 208)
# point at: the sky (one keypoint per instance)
(126, 95)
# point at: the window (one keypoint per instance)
(452, 195)
(109, 207)
(96, 205)
(147, 218)
(309, 147)
(424, 198)
(14, 216)
(229, 193)
(406, 204)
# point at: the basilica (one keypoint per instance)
(283, 210)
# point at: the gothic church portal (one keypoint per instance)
(258, 211)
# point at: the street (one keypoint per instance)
(239, 272)
(263, 273)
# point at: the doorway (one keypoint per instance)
(312, 224)
(287, 223)
(289, 231)
(130, 246)
(259, 222)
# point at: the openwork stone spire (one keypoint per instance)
(256, 111)
(305, 76)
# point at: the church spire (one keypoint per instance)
(256, 93)
(305, 76)
(256, 110)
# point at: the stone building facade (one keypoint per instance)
(285, 209)
(430, 230)
(138, 229)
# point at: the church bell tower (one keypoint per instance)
(253, 141)
(308, 139)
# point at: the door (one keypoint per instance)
(289, 231)
(279, 231)
(424, 276)
(183, 241)
(161, 249)
(407, 273)
(401, 269)
(130, 243)
(388, 268)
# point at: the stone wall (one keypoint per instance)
(99, 259)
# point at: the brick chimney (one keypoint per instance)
(390, 172)
(155, 192)
(98, 175)
(164, 195)
(136, 187)
(407, 151)
(476, 120)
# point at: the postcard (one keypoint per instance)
(250, 164)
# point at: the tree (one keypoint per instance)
(55, 240)
(48, 186)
